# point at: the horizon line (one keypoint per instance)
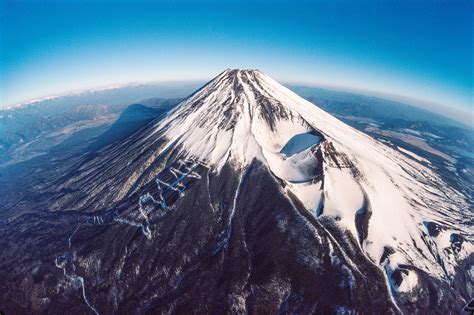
(402, 99)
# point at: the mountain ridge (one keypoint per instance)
(204, 210)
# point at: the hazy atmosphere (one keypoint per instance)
(418, 51)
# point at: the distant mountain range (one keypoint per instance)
(370, 107)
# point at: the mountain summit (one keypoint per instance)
(248, 198)
(382, 197)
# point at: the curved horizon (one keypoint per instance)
(389, 48)
(458, 115)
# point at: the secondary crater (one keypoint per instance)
(299, 143)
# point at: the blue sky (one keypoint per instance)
(416, 49)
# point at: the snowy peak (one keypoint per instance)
(246, 185)
(235, 115)
(377, 194)
(245, 198)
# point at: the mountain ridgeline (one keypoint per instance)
(244, 198)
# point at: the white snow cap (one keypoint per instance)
(242, 115)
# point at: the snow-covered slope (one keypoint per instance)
(243, 199)
(386, 200)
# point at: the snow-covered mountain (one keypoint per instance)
(248, 198)
(384, 199)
